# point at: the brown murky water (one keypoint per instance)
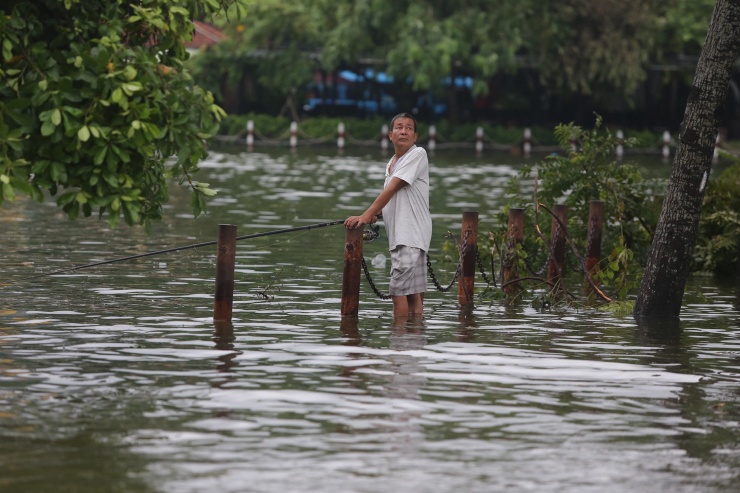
(116, 379)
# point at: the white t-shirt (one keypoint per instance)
(407, 218)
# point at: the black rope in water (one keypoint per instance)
(188, 247)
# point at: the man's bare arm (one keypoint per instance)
(369, 216)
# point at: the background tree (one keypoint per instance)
(431, 41)
(594, 55)
(593, 49)
(272, 53)
(94, 101)
(417, 42)
(682, 28)
(553, 61)
(661, 291)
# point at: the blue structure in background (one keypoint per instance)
(366, 94)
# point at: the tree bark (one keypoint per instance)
(667, 269)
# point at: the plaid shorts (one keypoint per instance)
(408, 271)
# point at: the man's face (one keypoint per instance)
(402, 134)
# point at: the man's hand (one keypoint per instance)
(354, 222)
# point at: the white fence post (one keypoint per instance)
(250, 133)
(340, 138)
(666, 144)
(293, 134)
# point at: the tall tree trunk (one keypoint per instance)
(667, 269)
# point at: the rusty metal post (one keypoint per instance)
(352, 272)
(225, 260)
(593, 246)
(556, 265)
(468, 239)
(516, 237)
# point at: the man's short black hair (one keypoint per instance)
(403, 115)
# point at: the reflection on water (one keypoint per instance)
(116, 379)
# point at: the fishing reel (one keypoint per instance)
(371, 234)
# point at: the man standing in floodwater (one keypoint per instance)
(404, 203)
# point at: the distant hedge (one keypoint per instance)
(365, 129)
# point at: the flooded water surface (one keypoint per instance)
(115, 378)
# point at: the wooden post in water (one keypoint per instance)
(352, 272)
(593, 246)
(556, 265)
(223, 337)
(516, 237)
(225, 260)
(469, 241)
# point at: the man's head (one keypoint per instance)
(403, 115)
(403, 133)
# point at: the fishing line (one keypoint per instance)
(177, 249)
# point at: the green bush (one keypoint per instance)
(645, 139)
(367, 129)
(574, 177)
(718, 244)
(448, 132)
(318, 128)
(544, 136)
(272, 127)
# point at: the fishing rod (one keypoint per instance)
(188, 247)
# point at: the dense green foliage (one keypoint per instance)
(95, 104)
(594, 48)
(587, 170)
(599, 50)
(684, 27)
(718, 246)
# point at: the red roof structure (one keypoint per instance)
(205, 35)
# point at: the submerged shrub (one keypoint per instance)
(586, 169)
(718, 244)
